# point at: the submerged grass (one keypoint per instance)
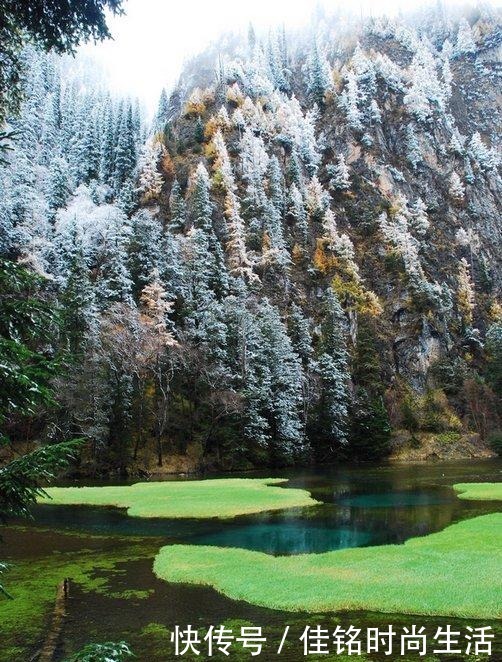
(33, 581)
(223, 498)
(456, 572)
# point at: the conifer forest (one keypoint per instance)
(298, 256)
(291, 265)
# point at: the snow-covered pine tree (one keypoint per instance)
(349, 101)
(125, 152)
(177, 207)
(419, 218)
(339, 173)
(319, 80)
(150, 180)
(299, 213)
(465, 44)
(413, 151)
(144, 246)
(286, 430)
(456, 188)
(333, 370)
(58, 186)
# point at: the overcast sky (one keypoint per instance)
(154, 37)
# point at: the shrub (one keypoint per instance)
(495, 441)
(436, 414)
(430, 412)
(448, 437)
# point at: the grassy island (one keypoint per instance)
(222, 498)
(451, 573)
(479, 491)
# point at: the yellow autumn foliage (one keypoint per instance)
(297, 253)
(354, 296)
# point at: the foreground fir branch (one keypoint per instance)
(22, 479)
(107, 652)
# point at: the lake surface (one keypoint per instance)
(360, 506)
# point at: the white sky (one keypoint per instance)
(153, 39)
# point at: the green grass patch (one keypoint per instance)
(479, 491)
(223, 498)
(455, 572)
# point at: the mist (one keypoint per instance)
(153, 39)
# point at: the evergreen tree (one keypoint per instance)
(276, 184)
(413, 152)
(318, 75)
(349, 101)
(465, 41)
(79, 317)
(276, 61)
(172, 267)
(162, 113)
(201, 208)
(126, 198)
(149, 178)
(485, 157)
(275, 252)
(299, 213)
(333, 371)
(287, 438)
(58, 187)
(340, 178)
(254, 166)
(90, 150)
(144, 249)
(125, 152)
(113, 283)
(295, 170)
(178, 208)
(370, 427)
(419, 218)
(375, 112)
(106, 162)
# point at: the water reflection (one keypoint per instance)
(287, 538)
(395, 499)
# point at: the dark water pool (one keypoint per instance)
(359, 506)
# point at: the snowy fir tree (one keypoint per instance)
(340, 178)
(177, 208)
(456, 188)
(318, 75)
(149, 178)
(465, 44)
(333, 370)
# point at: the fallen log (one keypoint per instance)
(48, 649)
